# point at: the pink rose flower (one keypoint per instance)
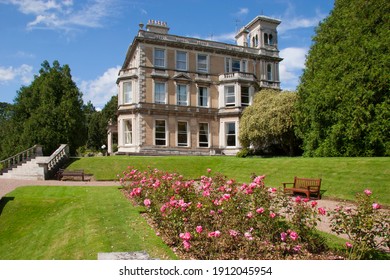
(199, 229)
(272, 190)
(349, 245)
(216, 233)
(283, 236)
(260, 210)
(233, 233)
(298, 199)
(367, 192)
(185, 236)
(376, 206)
(147, 202)
(314, 204)
(199, 205)
(322, 211)
(249, 215)
(186, 245)
(208, 170)
(272, 215)
(293, 235)
(297, 248)
(248, 235)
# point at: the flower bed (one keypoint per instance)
(217, 218)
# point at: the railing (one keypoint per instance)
(270, 84)
(237, 76)
(269, 51)
(21, 157)
(57, 157)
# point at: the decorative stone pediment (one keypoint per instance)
(182, 76)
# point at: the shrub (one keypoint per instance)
(217, 218)
(366, 226)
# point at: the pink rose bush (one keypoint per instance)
(216, 217)
(367, 227)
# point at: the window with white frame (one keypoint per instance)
(203, 97)
(203, 135)
(159, 58)
(202, 63)
(127, 92)
(159, 93)
(181, 95)
(160, 135)
(269, 72)
(244, 96)
(230, 134)
(230, 96)
(182, 134)
(181, 60)
(128, 132)
(236, 65)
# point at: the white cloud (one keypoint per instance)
(65, 14)
(23, 73)
(242, 12)
(100, 90)
(291, 67)
(292, 22)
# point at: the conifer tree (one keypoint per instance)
(344, 94)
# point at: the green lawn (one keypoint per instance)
(73, 223)
(342, 177)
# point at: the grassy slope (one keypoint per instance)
(73, 223)
(342, 177)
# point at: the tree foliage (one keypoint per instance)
(47, 112)
(343, 107)
(97, 124)
(267, 124)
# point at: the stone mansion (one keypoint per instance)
(183, 95)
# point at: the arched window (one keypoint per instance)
(269, 72)
(270, 39)
(265, 39)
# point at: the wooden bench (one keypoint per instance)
(70, 173)
(307, 186)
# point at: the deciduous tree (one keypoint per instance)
(267, 124)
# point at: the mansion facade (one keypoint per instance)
(183, 95)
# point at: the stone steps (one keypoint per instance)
(29, 170)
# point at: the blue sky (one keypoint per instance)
(92, 36)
